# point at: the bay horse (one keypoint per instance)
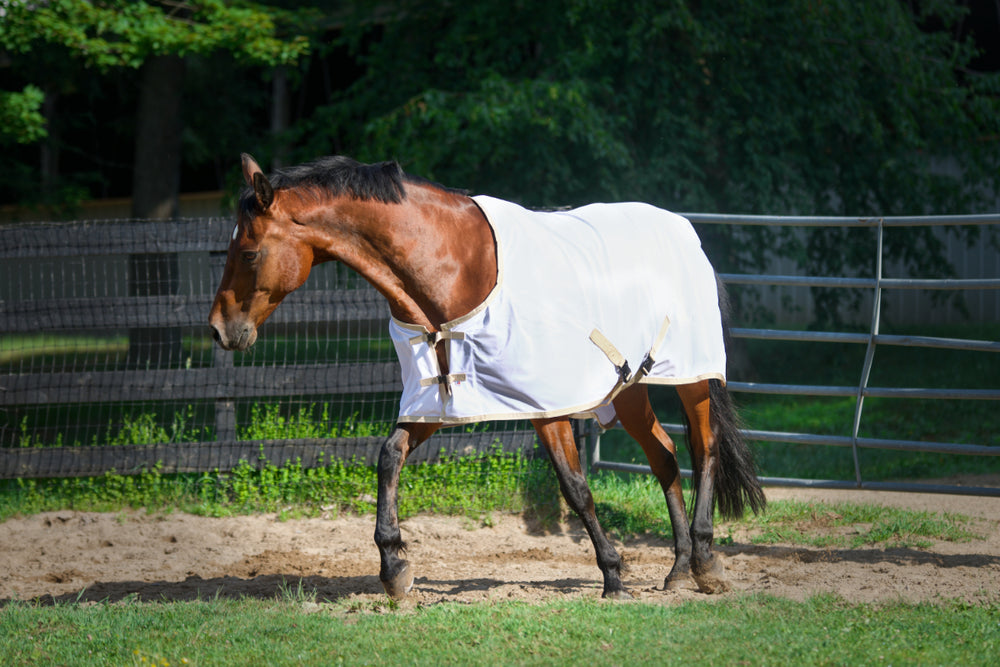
(443, 261)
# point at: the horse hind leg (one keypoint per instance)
(557, 437)
(724, 467)
(706, 568)
(637, 417)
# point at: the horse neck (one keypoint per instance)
(432, 256)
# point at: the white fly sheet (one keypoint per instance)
(587, 302)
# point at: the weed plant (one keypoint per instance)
(474, 485)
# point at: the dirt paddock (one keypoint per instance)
(84, 556)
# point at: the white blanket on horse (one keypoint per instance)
(578, 293)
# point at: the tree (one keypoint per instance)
(153, 37)
(776, 106)
(54, 41)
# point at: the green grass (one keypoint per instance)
(47, 346)
(296, 631)
(851, 525)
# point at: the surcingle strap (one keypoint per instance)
(625, 376)
(647, 364)
(613, 355)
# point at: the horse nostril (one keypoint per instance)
(216, 335)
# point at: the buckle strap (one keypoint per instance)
(432, 338)
(611, 352)
(443, 379)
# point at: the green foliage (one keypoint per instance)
(120, 33)
(272, 422)
(774, 107)
(470, 485)
(20, 119)
(62, 46)
(750, 107)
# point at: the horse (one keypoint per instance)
(443, 261)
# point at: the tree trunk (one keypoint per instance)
(49, 147)
(155, 196)
(279, 115)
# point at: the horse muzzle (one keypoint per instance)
(234, 335)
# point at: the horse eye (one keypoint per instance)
(249, 256)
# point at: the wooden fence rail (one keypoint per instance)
(29, 309)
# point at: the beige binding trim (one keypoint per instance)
(451, 324)
(425, 335)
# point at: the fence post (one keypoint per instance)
(869, 355)
(225, 407)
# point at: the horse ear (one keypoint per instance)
(262, 188)
(250, 167)
(256, 179)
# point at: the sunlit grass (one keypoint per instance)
(294, 630)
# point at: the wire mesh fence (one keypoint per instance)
(107, 363)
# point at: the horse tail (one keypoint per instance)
(736, 485)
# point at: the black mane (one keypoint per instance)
(339, 175)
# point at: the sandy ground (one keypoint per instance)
(84, 556)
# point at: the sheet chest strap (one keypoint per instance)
(443, 379)
(432, 338)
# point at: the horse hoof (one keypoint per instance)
(681, 583)
(397, 587)
(713, 579)
(620, 594)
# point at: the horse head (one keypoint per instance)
(269, 257)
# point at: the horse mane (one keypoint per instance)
(338, 175)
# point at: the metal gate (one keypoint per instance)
(878, 284)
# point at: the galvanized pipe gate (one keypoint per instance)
(878, 284)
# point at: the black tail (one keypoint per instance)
(736, 484)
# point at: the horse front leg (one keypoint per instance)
(557, 437)
(394, 572)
